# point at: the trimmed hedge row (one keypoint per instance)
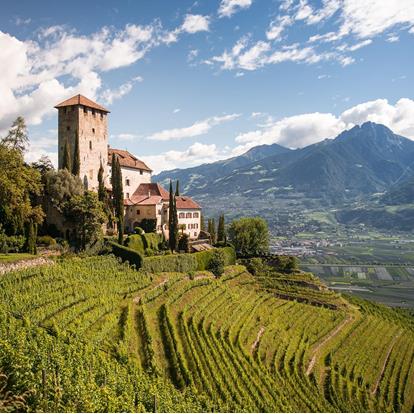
(186, 262)
(141, 242)
(127, 254)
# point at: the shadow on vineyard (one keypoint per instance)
(92, 334)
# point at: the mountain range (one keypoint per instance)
(359, 162)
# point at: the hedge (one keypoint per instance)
(186, 262)
(142, 242)
(151, 240)
(127, 254)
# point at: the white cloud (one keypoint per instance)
(192, 54)
(305, 129)
(196, 129)
(109, 95)
(196, 154)
(176, 110)
(411, 30)
(194, 23)
(277, 27)
(229, 7)
(19, 21)
(392, 38)
(126, 136)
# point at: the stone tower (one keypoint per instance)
(84, 120)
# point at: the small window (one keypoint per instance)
(181, 215)
(195, 234)
(127, 195)
(195, 215)
(127, 182)
(85, 111)
(90, 145)
(188, 215)
(91, 174)
(101, 115)
(159, 211)
(68, 128)
(138, 212)
(93, 130)
(141, 172)
(93, 112)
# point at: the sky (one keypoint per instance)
(189, 82)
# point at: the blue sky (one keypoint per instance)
(195, 81)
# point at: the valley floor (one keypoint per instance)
(92, 334)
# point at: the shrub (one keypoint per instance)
(285, 263)
(11, 244)
(139, 230)
(255, 266)
(170, 263)
(148, 225)
(203, 258)
(127, 254)
(183, 243)
(135, 242)
(46, 241)
(217, 261)
(151, 240)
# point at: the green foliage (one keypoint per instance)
(217, 262)
(255, 266)
(133, 257)
(148, 225)
(118, 196)
(172, 222)
(20, 184)
(139, 230)
(31, 235)
(86, 215)
(221, 231)
(184, 243)
(17, 138)
(211, 229)
(67, 158)
(135, 242)
(186, 262)
(250, 236)
(76, 158)
(11, 244)
(284, 263)
(151, 240)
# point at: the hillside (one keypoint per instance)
(363, 160)
(401, 193)
(94, 335)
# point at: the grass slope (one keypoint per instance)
(94, 335)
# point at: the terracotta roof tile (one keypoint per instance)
(151, 189)
(126, 159)
(184, 202)
(81, 100)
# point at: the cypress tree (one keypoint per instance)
(172, 222)
(119, 202)
(213, 231)
(202, 223)
(31, 235)
(101, 185)
(67, 161)
(221, 233)
(177, 189)
(76, 158)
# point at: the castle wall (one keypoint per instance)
(131, 179)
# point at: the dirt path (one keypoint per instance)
(384, 365)
(256, 342)
(333, 333)
(162, 283)
(24, 264)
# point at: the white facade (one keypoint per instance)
(191, 219)
(131, 179)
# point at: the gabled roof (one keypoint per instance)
(81, 100)
(154, 193)
(150, 189)
(126, 159)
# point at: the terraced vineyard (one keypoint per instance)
(95, 335)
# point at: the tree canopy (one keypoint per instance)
(250, 236)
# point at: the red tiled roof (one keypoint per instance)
(149, 193)
(126, 159)
(81, 100)
(184, 202)
(153, 189)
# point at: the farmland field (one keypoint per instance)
(95, 335)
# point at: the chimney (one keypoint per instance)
(149, 192)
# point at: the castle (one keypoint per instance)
(84, 123)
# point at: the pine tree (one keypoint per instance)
(76, 158)
(221, 232)
(67, 161)
(17, 137)
(177, 189)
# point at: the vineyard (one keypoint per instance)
(92, 334)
